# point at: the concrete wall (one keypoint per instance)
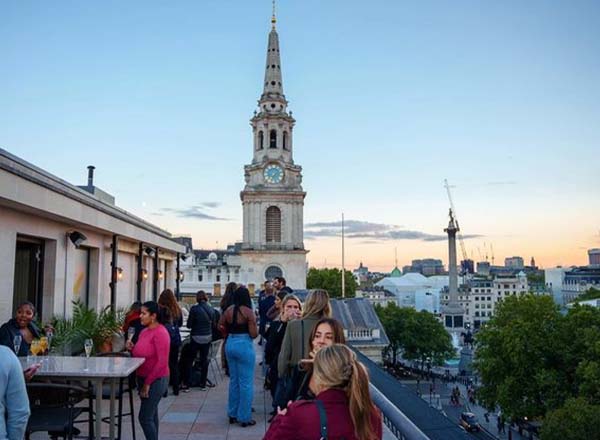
(59, 256)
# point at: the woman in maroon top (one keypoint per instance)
(153, 375)
(342, 404)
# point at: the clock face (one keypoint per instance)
(273, 173)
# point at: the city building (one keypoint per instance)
(514, 262)
(377, 296)
(415, 290)
(578, 280)
(594, 257)
(60, 243)
(361, 274)
(362, 327)
(555, 277)
(272, 200)
(481, 300)
(427, 267)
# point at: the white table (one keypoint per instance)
(93, 369)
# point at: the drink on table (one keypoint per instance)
(88, 347)
(17, 343)
(35, 347)
(43, 345)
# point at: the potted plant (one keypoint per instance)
(85, 323)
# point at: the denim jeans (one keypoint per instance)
(148, 415)
(240, 357)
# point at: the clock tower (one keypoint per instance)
(273, 198)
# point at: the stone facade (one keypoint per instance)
(272, 203)
(273, 198)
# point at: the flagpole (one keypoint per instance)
(343, 265)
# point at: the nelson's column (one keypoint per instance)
(273, 198)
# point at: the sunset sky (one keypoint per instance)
(390, 98)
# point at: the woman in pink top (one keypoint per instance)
(153, 375)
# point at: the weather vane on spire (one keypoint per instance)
(273, 18)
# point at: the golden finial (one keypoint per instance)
(273, 18)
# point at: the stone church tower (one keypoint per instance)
(273, 199)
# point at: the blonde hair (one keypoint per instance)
(317, 304)
(337, 367)
(290, 297)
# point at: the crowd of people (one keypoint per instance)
(315, 380)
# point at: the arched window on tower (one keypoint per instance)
(273, 225)
(273, 139)
(285, 140)
(261, 140)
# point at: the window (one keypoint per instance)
(29, 270)
(272, 272)
(273, 139)
(200, 275)
(285, 136)
(261, 140)
(273, 225)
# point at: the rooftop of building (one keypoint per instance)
(359, 314)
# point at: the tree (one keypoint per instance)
(517, 357)
(419, 335)
(576, 420)
(331, 280)
(394, 320)
(591, 293)
(532, 359)
(581, 351)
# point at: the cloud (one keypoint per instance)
(370, 232)
(209, 205)
(195, 211)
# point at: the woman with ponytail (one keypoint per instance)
(342, 408)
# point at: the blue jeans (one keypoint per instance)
(241, 358)
(148, 416)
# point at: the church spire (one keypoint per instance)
(273, 87)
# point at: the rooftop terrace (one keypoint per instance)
(202, 414)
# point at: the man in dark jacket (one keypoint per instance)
(200, 322)
(265, 302)
(280, 285)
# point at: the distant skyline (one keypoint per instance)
(390, 99)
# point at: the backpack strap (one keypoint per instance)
(322, 419)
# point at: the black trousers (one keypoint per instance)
(174, 367)
(188, 355)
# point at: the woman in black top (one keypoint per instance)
(21, 325)
(239, 321)
(290, 309)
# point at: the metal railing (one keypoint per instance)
(400, 425)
